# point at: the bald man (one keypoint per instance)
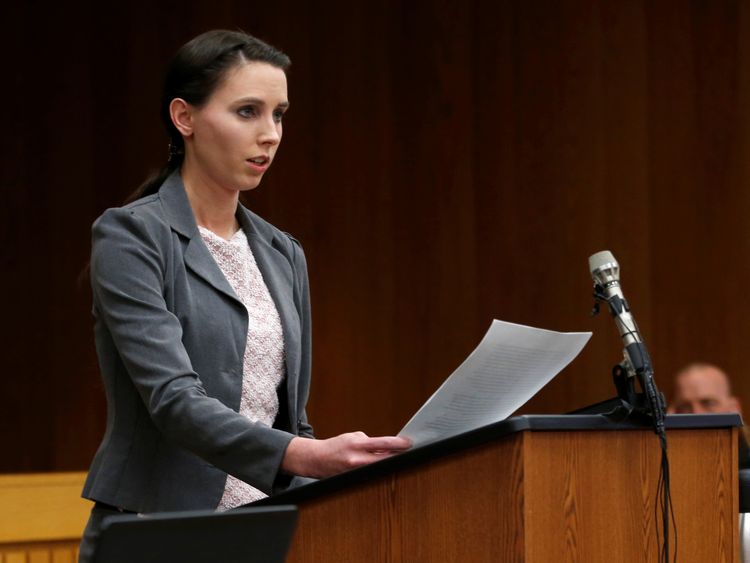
(703, 388)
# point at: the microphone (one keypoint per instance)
(605, 272)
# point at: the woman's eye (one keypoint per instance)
(278, 115)
(246, 112)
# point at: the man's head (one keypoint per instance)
(703, 388)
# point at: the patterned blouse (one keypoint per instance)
(263, 367)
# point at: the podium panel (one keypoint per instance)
(532, 495)
(590, 496)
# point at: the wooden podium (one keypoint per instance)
(534, 489)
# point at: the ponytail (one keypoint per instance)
(152, 184)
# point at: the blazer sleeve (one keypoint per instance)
(128, 268)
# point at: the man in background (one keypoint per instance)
(702, 389)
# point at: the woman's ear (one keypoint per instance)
(182, 116)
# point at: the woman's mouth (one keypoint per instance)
(259, 163)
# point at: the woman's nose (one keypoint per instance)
(270, 134)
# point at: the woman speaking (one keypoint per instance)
(202, 309)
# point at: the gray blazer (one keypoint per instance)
(170, 335)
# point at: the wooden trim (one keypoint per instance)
(42, 507)
(40, 552)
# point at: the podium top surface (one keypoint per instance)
(492, 432)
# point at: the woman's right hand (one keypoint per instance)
(308, 457)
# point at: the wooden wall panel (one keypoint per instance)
(42, 507)
(41, 552)
(42, 517)
(442, 166)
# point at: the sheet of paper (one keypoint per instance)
(510, 365)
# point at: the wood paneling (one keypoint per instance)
(42, 507)
(40, 552)
(442, 166)
(42, 517)
(536, 497)
(423, 514)
(573, 485)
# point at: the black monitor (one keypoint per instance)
(242, 535)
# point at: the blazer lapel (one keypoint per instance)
(197, 256)
(279, 278)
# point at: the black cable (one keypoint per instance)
(663, 504)
(657, 504)
(668, 493)
(655, 403)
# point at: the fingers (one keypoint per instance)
(385, 444)
(365, 457)
(361, 441)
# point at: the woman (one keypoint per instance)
(202, 309)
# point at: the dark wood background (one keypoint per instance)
(443, 164)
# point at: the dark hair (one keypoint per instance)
(193, 74)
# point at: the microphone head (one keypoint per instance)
(604, 268)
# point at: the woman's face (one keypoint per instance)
(235, 134)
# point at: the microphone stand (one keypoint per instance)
(636, 364)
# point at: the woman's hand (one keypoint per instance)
(322, 458)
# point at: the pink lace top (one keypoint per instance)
(263, 368)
